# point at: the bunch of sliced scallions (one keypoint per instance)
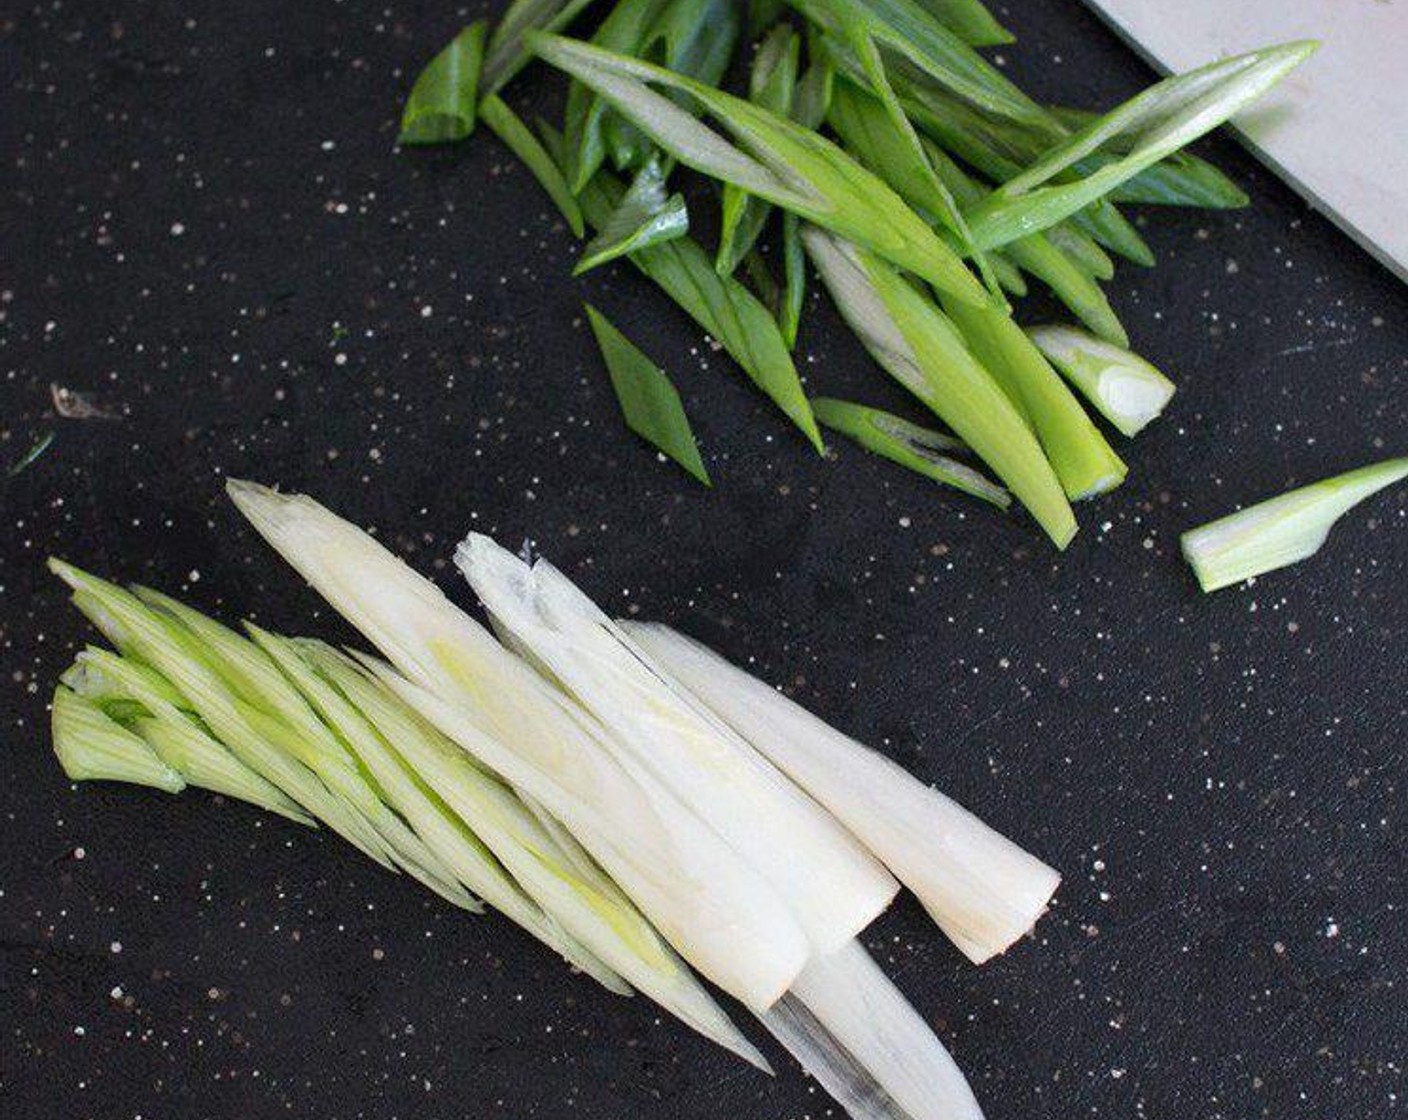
(635, 802)
(924, 186)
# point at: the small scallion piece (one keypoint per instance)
(923, 349)
(1127, 390)
(1162, 119)
(649, 402)
(1281, 530)
(646, 215)
(441, 106)
(922, 450)
(91, 745)
(504, 123)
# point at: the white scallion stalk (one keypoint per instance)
(1123, 387)
(712, 906)
(91, 746)
(581, 900)
(868, 1017)
(984, 891)
(828, 880)
(1281, 530)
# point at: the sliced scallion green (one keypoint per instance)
(504, 123)
(649, 402)
(1281, 530)
(1162, 119)
(779, 160)
(1123, 387)
(721, 305)
(506, 55)
(1083, 459)
(919, 346)
(441, 106)
(646, 215)
(922, 450)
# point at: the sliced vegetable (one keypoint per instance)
(984, 891)
(868, 1017)
(717, 911)
(504, 123)
(772, 85)
(794, 272)
(970, 20)
(908, 29)
(651, 405)
(1281, 530)
(624, 29)
(440, 108)
(90, 745)
(30, 457)
(1082, 458)
(645, 216)
(922, 450)
(449, 836)
(1127, 390)
(780, 161)
(719, 304)
(1162, 119)
(506, 54)
(140, 632)
(828, 883)
(919, 346)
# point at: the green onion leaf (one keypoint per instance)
(506, 54)
(920, 347)
(1083, 459)
(624, 30)
(772, 84)
(1282, 530)
(649, 402)
(794, 273)
(1162, 119)
(440, 108)
(894, 152)
(909, 30)
(721, 305)
(1179, 179)
(645, 216)
(30, 457)
(504, 123)
(1071, 284)
(92, 746)
(784, 162)
(970, 21)
(1123, 387)
(1081, 250)
(999, 149)
(920, 449)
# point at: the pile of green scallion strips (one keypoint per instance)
(921, 184)
(640, 805)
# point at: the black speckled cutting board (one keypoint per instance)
(206, 228)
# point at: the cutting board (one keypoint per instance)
(1337, 128)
